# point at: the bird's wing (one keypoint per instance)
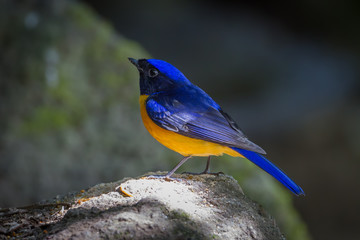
(194, 114)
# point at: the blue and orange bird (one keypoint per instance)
(182, 117)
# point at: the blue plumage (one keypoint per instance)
(175, 104)
(189, 111)
(169, 70)
(270, 168)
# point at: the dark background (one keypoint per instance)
(288, 73)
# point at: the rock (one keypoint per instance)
(189, 207)
(68, 102)
(70, 115)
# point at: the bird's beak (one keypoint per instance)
(134, 61)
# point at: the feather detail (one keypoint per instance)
(270, 168)
(189, 111)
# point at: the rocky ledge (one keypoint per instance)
(188, 207)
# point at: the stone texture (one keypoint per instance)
(70, 115)
(189, 207)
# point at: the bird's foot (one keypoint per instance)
(205, 172)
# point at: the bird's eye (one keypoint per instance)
(153, 72)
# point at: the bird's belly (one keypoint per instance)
(186, 146)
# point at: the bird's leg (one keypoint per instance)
(206, 171)
(168, 175)
(207, 168)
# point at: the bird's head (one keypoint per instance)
(158, 76)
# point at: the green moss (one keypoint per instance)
(179, 215)
(81, 15)
(93, 77)
(45, 119)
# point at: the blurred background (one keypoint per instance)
(287, 72)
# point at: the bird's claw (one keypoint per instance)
(205, 172)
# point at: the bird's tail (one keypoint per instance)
(270, 168)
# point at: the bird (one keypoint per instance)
(185, 119)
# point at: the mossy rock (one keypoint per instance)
(70, 115)
(69, 102)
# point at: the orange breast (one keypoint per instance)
(186, 146)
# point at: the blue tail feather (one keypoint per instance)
(270, 168)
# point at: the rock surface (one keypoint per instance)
(190, 207)
(70, 114)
